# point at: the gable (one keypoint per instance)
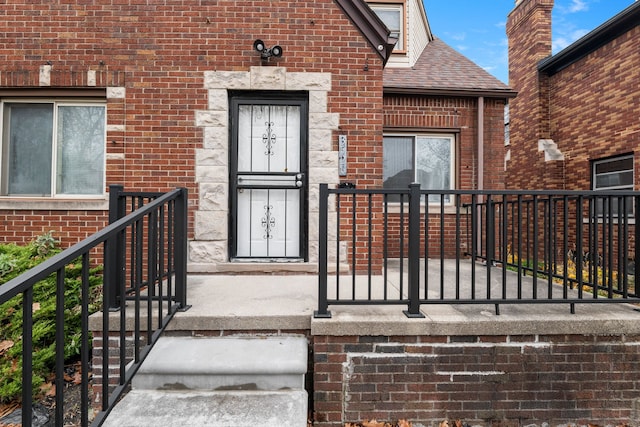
(370, 26)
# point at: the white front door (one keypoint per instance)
(268, 184)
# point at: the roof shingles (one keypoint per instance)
(442, 68)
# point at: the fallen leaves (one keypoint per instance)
(443, 423)
(375, 423)
(5, 345)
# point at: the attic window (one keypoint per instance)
(392, 14)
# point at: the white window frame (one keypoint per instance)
(64, 102)
(414, 160)
(625, 187)
(402, 31)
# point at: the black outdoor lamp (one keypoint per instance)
(267, 52)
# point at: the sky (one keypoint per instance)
(476, 28)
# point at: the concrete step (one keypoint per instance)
(225, 363)
(155, 408)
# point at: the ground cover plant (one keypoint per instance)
(14, 260)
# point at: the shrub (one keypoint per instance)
(15, 260)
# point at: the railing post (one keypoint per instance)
(323, 303)
(180, 247)
(113, 252)
(414, 252)
(636, 254)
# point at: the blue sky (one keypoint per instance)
(476, 28)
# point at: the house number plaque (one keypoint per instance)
(342, 155)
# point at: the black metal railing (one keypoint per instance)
(413, 247)
(154, 276)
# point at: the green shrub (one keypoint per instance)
(15, 260)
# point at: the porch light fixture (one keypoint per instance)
(267, 52)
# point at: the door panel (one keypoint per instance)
(268, 179)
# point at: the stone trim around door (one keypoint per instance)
(209, 250)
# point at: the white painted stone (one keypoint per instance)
(323, 176)
(320, 139)
(218, 100)
(309, 81)
(212, 118)
(213, 197)
(115, 156)
(314, 221)
(268, 78)
(551, 150)
(211, 157)
(323, 159)
(207, 252)
(318, 101)
(212, 174)
(116, 128)
(331, 252)
(116, 92)
(314, 199)
(325, 120)
(216, 137)
(91, 78)
(211, 225)
(45, 75)
(227, 80)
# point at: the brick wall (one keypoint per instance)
(594, 108)
(588, 108)
(69, 227)
(155, 55)
(529, 32)
(483, 380)
(435, 114)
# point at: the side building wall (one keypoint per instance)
(594, 108)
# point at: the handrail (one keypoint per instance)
(532, 233)
(165, 219)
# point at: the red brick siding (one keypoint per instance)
(529, 31)
(159, 53)
(431, 114)
(594, 108)
(589, 108)
(505, 380)
(69, 227)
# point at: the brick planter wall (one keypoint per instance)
(484, 380)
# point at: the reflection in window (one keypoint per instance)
(613, 174)
(53, 148)
(393, 17)
(425, 159)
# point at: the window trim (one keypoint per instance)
(67, 199)
(402, 7)
(595, 175)
(452, 136)
(594, 163)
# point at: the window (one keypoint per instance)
(507, 131)
(613, 174)
(392, 15)
(425, 159)
(52, 148)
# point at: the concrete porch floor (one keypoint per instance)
(287, 303)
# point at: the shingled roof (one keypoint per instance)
(441, 70)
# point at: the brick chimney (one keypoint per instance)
(529, 34)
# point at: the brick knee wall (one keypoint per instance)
(510, 380)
